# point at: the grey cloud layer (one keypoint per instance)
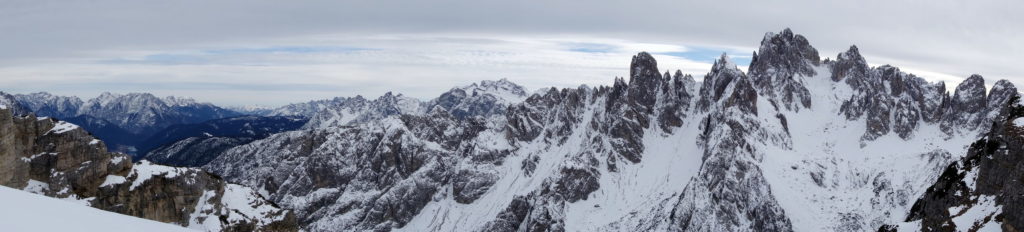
(954, 38)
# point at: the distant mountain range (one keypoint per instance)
(122, 119)
(134, 123)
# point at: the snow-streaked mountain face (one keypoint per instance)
(139, 113)
(484, 99)
(795, 144)
(144, 113)
(252, 109)
(480, 99)
(11, 102)
(46, 104)
(192, 145)
(123, 120)
(357, 110)
(306, 109)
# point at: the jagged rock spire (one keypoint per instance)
(969, 95)
(723, 63)
(849, 62)
(644, 79)
(777, 66)
(968, 107)
(785, 52)
(1000, 94)
(723, 74)
(643, 70)
(853, 54)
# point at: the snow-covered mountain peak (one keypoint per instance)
(41, 97)
(7, 101)
(849, 63)
(724, 63)
(504, 90)
(131, 100)
(179, 101)
(252, 109)
(398, 103)
(144, 113)
(852, 54)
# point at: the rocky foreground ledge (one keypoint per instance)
(61, 160)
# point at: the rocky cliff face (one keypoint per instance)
(981, 191)
(796, 143)
(366, 177)
(61, 160)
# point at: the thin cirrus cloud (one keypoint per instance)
(211, 56)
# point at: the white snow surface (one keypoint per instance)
(112, 180)
(37, 187)
(144, 170)
(1018, 122)
(25, 211)
(62, 126)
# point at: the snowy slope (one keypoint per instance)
(832, 180)
(41, 213)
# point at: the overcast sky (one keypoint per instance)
(277, 52)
